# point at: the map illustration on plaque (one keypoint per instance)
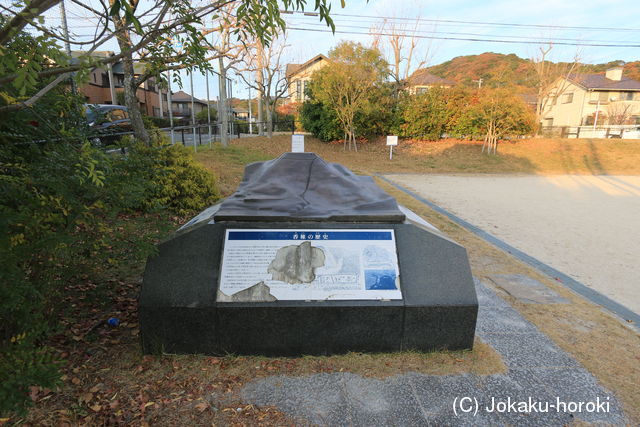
(271, 265)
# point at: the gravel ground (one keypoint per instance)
(588, 227)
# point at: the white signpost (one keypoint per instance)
(391, 141)
(297, 143)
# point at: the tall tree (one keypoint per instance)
(497, 113)
(345, 83)
(401, 46)
(270, 82)
(145, 31)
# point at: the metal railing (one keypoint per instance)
(589, 131)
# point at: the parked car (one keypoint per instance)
(108, 123)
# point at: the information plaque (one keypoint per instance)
(306, 264)
(297, 143)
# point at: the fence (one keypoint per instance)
(198, 134)
(609, 131)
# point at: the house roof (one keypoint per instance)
(601, 82)
(182, 96)
(296, 68)
(423, 77)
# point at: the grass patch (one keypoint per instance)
(228, 163)
(530, 156)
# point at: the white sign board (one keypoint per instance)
(297, 143)
(302, 264)
(392, 140)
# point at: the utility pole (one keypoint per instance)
(250, 116)
(206, 79)
(67, 45)
(193, 112)
(479, 82)
(169, 106)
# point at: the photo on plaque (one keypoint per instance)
(270, 265)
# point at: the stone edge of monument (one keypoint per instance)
(187, 319)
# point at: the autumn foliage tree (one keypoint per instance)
(496, 114)
(345, 85)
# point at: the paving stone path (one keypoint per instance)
(537, 370)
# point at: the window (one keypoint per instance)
(603, 96)
(567, 98)
(304, 89)
(548, 122)
(299, 90)
(626, 96)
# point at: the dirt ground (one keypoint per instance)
(599, 341)
(580, 225)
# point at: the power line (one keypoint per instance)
(506, 24)
(411, 33)
(466, 39)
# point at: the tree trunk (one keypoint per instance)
(130, 85)
(224, 110)
(269, 111)
(259, 84)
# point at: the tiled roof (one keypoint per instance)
(182, 96)
(600, 81)
(424, 78)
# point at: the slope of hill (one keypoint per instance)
(497, 70)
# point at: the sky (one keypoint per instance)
(526, 24)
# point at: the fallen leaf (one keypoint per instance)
(201, 406)
(96, 408)
(75, 380)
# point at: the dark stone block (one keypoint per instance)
(178, 307)
(308, 328)
(179, 313)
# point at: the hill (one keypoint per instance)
(497, 70)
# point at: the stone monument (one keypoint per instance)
(307, 257)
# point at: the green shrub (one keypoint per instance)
(202, 116)
(150, 178)
(426, 115)
(23, 363)
(320, 121)
(58, 195)
(159, 122)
